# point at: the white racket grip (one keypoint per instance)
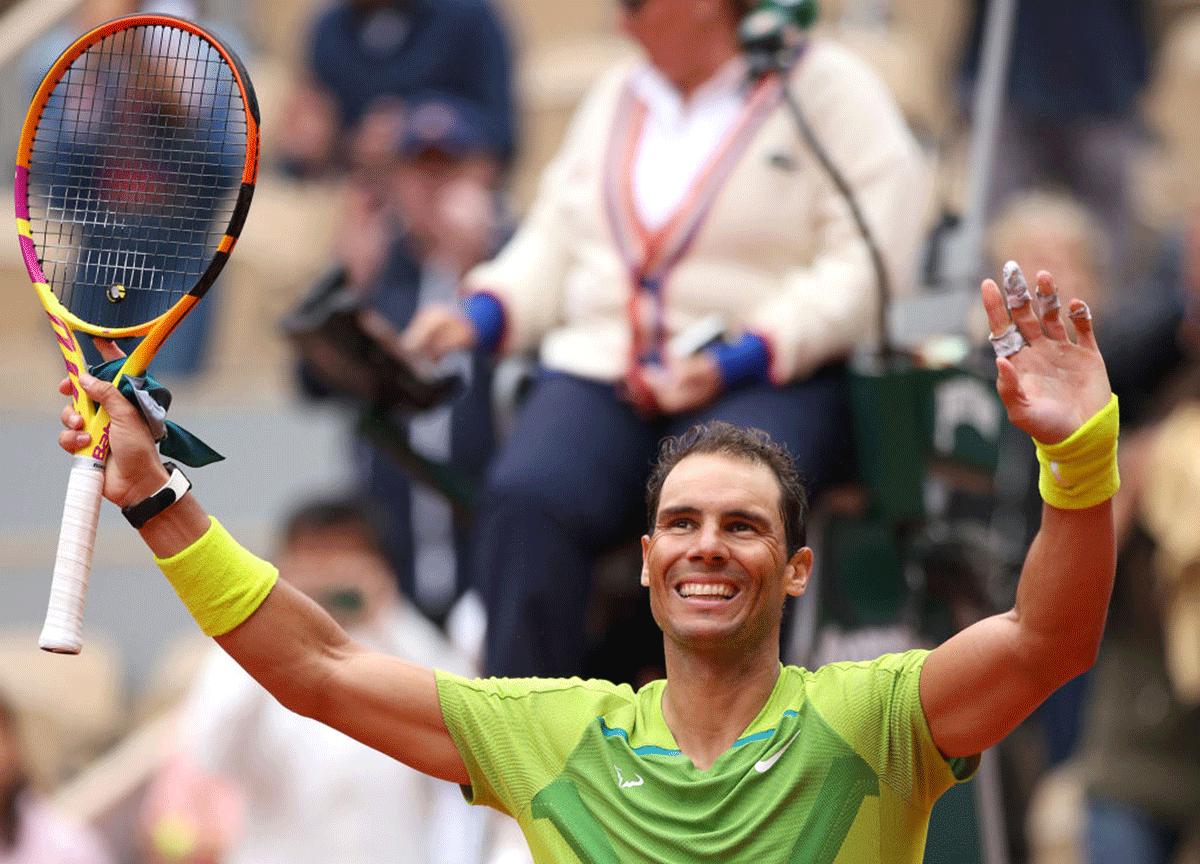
(63, 630)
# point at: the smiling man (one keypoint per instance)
(732, 757)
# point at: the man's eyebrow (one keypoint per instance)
(747, 515)
(668, 513)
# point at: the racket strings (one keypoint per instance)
(133, 167)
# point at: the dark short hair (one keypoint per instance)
(748, 445)
(358, 513)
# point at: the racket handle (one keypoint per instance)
(63, 630)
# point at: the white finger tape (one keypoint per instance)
(1016, 289)
(1083, 313)
(1048, 302)
(1009, 342)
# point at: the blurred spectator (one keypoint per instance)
(40, 56)
(1071, 120)
(1137, 744)
(361, 51)
(683, 198)
(31, 832)
(1140, 748)
(249, 781)
(420, 213)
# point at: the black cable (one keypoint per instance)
(883, 283)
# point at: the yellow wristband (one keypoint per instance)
(1081, 471)
(218, 581)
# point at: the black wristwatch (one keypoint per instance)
(175, 488)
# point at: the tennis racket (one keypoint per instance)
(135, 171)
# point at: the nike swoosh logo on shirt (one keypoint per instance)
(762, 766)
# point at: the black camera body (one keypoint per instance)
(352, 350)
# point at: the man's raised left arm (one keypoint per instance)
(977, 686)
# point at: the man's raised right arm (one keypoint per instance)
(278, 635)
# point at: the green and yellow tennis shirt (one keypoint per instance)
(838, 768)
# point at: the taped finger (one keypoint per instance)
(1007, 343)
(1020, 303)
(1081, 317)
(1048, 303)
(1016, 289)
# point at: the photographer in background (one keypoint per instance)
(683, 196)
(419, 214)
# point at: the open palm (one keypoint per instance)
(1052, 385)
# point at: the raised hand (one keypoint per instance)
(134, 468)
(1050, 384)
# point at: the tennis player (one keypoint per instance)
(732, 757)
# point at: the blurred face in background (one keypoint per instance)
(339, 569)
(96, 12)
(1067, 258)
(1051, 231)
(686, 40)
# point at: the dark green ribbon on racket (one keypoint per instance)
(152, 400)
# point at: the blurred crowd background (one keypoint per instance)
(147, 741)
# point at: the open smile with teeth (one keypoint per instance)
(707, 590)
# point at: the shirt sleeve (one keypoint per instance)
(743, 362)
(884, 721)
(527, 276)
(515, 735)
(486, 313)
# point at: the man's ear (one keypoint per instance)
(798, 569)
(645, 565)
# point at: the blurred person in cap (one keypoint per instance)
(421, 211)
(358, 52)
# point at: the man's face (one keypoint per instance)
(717, 564)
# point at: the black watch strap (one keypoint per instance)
(175, 488)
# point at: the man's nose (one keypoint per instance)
(709, 544)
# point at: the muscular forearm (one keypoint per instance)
(300, 655)
(1063, 594)
(288, 645)
(283, 639)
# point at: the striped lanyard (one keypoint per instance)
(650, 256)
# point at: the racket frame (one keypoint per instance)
(62, 632)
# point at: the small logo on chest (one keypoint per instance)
(622, 783)
(762, 766)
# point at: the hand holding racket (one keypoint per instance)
(135, 171)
